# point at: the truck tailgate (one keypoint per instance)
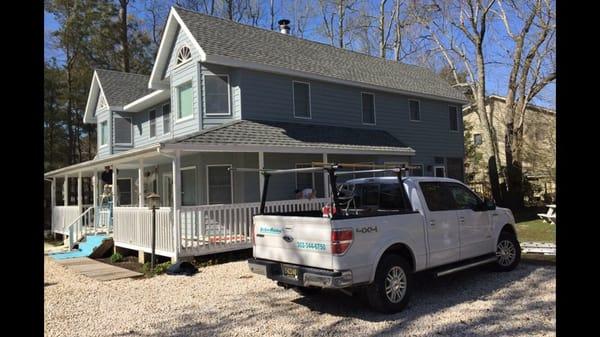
(293, 239)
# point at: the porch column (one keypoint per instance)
(325, 178)
(114, 185)
(52, 202)
(141, 184)
(79, 193)
(95, 196)
(66, 191)
(176, 201)
(261, 178)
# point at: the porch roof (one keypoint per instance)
(272, 136)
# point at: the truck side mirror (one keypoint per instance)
(489, 204)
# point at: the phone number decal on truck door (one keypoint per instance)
(311, 246)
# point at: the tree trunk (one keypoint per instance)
(124, 38)
(272, 8)
(341, 12)
(382, 28)
(398, 37)
(230, 9)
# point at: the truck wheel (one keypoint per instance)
(307, 291)
(390, 291)
(508, 252)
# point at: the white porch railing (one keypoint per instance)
(210, 229)
(63, 216)
(81, 226)
(132, 228)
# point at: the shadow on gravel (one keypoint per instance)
(431, 297)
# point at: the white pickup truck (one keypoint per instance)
(379, 231)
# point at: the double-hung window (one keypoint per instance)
(414, 107)
(453, 114)
(123, 130)
(301, 104)
(152, 119)
(104, 133)
(184, 100)
(216, 93)
(166, 116)
(368, 108)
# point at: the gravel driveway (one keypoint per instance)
(227, 300)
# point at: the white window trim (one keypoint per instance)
(130, 129)
(184, 62)
(228, 95)
(187, 168)
(170, 118)
(312, 173)
(294, 101)
(362, 119)
(208, 186)
(458, 113)
(439, 166)
(105, 144)
(178, 119)
(409, 114)
(149, 119)
(130, 190)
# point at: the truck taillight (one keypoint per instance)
(328, 211)
(341, 239)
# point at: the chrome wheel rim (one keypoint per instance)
(395, 284)
(506, 252)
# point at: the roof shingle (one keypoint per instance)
(220, 37)
(285, 134)
(122, 88)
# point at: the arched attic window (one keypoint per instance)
(183, 54)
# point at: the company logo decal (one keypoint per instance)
(269, 230)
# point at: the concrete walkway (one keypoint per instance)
(97, 270)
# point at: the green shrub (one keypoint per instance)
(116, 257)
(158, 269)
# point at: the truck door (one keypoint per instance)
(474, 222)
(441, 223)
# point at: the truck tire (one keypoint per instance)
(307, 291)
(508, 252)
(390, 291)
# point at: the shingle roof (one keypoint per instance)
(220, 37)
(285, 134)
(122, 88)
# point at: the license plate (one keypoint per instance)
(290, 272)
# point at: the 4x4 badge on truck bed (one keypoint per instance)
(367, 229)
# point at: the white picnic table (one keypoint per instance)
(550, 215)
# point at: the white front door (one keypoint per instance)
(441, 223)
(167, 183)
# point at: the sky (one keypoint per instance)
(497, 74)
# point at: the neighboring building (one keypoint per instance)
(223, 94)
(539, 148)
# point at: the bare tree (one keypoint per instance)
(453, 34)
(272, 12)
(531, 71)
(336, 14)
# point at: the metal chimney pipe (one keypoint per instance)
(283, 26)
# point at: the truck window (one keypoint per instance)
(437, 196)
(370, 199)
(464, 198)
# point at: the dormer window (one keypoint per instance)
(183, 55)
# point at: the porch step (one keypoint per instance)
(87, 247)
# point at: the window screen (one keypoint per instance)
(368, 108)
(124, 190)
(301, 100)
(219, 185)
(123, 130)
(415, 110)
(217, 94)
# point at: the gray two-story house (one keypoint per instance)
(225, 95)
